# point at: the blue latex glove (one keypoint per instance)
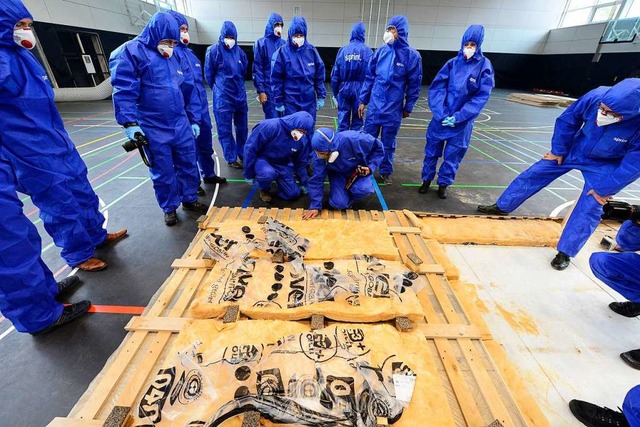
(319, 103)
(303, 189)
(249, 181)
(132, 130)
(280, 109)
(196, 130)
(449, 121)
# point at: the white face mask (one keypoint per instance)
(296, 135)
(184, 37)
(277, 30)
(332, 158)
(229, 43)
(24, 38)
(298, 41)
(388, 37)
(604, 119)
(165, 51)
(468, 52)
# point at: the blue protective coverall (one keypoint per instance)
(355, 149)
(461, 89)
(204, 142)
(153, 91)
(297, 78)
(607, 156)
(392, 86)
(631, 406)
(621, 270)
(271, 154)
(45, 161)
(263, 50)
(347, 77)
(224, 70)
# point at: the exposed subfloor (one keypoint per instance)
(57, 368)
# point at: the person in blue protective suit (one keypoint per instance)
(225, 67)
(151, 97)
(598, 416)
(456, 96)
(45, 161)
(391, 89)
(598, 135)
(348, 159)
(263, 50)
(297, 78)
(28, 291)
(278, 150)
(347, 77)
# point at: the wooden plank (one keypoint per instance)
(405, 230)
(430, 269)
(324, 214)
(297, 214)
(375, 216)
(440, 330)
(74, 422)
(192, 263)
(351, 215)
(156, 324)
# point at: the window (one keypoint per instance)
(580, 12)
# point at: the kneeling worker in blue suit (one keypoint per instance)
(598, 135)
(348, 159)
(278, 150)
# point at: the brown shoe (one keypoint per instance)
(114, 237)
(265, 196)
(92, 264)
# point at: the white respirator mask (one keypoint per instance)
(184, 37)
(297, 135)
(230, 43)
(24, 38)
(298, 41)
(165, 51)
(277, 30)
(388, 37)
(604, 119)
(334, 154)
(468, 52)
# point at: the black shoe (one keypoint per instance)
(442, 191)
(491, 210)
(67, 284)
(215, 180)
(632, 358)
(561, 261)
(235, 165)
(424, 187)
(386, 179)
(201, 191)
(69, 313)
(195, 206)
(171, 218)
(596, 416)
(626, 308)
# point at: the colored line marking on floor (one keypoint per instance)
(247, 201)
(376, 187)
(116, 309)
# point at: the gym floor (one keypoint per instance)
(45, 376)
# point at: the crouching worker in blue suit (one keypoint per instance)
(278, 150)
(598, 135)
(456, 96)
(348, 159)
(152, 97)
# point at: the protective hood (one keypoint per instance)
(624, 98)
(298, 26)
(357, 32)
(11, 11)
(320, 143)
(161, 26)
(273, 18)
(402, 27)
(228, 29)
(475, 33)
(181, 20)
(299, 120)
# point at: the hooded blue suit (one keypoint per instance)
(27, 287)
(392, 86)
(347, 77)
(153, 91)
(204, 142)
(46, 162)
(263, 50)
(224, 70)
(297, 78)
(355, 149)
(271, 154)
(461, 89)
(607, 156)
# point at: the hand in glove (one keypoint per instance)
(449, 121)
(249, 181)
(319, 103)
(303, 189)
(196, 130)
(280, 110)
(131, 132)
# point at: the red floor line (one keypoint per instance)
(113, 168)
(87, 117)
